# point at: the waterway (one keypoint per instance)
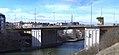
(68, 48)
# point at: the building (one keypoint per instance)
(9, 25)
(27, 25)
(2, 22)
(18, 24)
(101, 21)
(75, 23)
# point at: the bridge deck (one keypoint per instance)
(70, 27)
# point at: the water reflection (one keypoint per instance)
(48, 51)
(68, 48)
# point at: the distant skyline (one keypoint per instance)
(60, 10)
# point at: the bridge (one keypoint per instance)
(49, 36)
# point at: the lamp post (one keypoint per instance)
(35, 17)
(91, 15)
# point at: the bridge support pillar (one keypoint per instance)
(92, 36)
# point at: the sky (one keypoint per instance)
(60, 10)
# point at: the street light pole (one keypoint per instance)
(35, 17)
(91, 14)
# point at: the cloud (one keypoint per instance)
(15, 14)
(57, 7)
(63, 12)
(4, 10)
(7, 10)
(72, 0)
(17, 10)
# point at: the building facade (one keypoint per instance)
(2, 22)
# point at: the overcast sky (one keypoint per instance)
(59, 10)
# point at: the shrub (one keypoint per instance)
(10, 40)
(109, 38)
(91, 51)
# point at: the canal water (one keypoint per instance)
(68, 48)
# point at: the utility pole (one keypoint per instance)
(91, 15)
(71, 23)
(14, 18)
(35, 17)
(72, 18)
(14, 25)
(114, 19)
(101, 11)
(54, 16)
